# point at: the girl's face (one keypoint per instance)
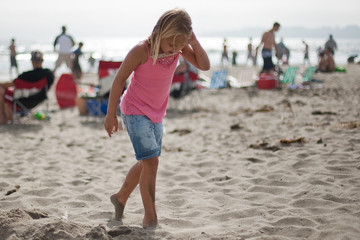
(169, 46)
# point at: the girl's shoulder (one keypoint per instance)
(140, 51)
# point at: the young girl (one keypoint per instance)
(143, 106)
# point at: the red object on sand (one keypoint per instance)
(106, 66)
(178, 78)
(66, 91)
(267, 81)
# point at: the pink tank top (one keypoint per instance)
(148, 91)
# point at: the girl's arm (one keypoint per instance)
(195, 54)
(136, 56)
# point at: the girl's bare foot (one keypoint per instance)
(119, 207)
(150, 224)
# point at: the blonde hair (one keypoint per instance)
(173, 22)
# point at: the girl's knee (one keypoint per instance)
(150, 163)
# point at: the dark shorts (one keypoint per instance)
(267, 57)
(13, 62)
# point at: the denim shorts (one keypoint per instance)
(145, 135)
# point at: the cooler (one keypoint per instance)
(267, 81)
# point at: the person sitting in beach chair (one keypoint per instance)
(326, 63)
(27, 91)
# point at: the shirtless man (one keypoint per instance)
(268, 42)
(13, 62)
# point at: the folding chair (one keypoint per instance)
(289, 75)
(183, 83)
(309, 73)
(107, 72)
(97, 103)
(218, 79)
(245, 78)
(175, 90)
(26, 95)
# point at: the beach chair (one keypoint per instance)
(183, 83)
(245, 78)
(107, 72)
(176, 85)
(309, 73)
(218, 79)
(25, 96)
(96, 97)
(289, 75)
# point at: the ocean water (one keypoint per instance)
(117, 48)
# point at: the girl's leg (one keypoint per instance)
(147, 190)
(131, 181)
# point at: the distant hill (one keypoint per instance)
(352, 31)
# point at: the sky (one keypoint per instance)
(42, 19)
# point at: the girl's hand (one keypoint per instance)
(111, 124)
(192, 39)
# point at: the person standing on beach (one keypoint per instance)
(13, 62)
(66, 43)
(283, 52)
(234, 56)
(331, 44)
(306, 53)
(268, 42)
(76, 68)
(224, 54)
(250, 53)
(143, 105)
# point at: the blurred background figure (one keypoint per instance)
(13, 62)
(284, 52)
(91, 62)
(326, 63)
(250, 54)
(65, 44)
(331, 44)
(76, 68)
(351, 59)
(233, 59)
(306, 53)
(268, 43)
(224, 54)
(28, 99)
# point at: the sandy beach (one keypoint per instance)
(236, 163)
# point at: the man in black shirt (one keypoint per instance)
(36, 96)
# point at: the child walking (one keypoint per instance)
(143, 106)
